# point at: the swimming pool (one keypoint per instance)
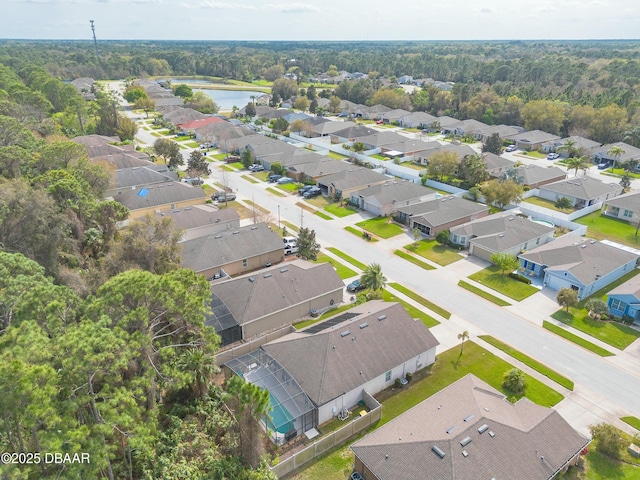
(543, 222)
(280, 418)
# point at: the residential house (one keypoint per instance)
(579, 263)
(350, 134)
(233, 252)
(532, 176)
(201, 220)
(496, 165)
(469, 430)
(374, 112)
(624, 207)
(434, 216)
(405, 79)
(178, 115)
(239, 144)
(147, 199)
(460, 149)
(309, 172)
(582, 191)
(583, 145)
(130, 178)
(502, 232)
(222, 134)
(394, 116)
(465, 127)
(247, 306)
(503, 131)
(190, 127)
(602, 154)
(343, 184)
(385, 199)
(445, 121)
(625, 300)
(85, 87)
(104, 151)
(327, 129)
(421, 120)
(328, 366)
(532, 140)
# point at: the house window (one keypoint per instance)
(244, 262)
(387, 376)
(628, 214)
(618, 305)
(538, 241)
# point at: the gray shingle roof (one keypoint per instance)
(581, 257)
(394, 192)
(521, 441)
(585, 188)
(632, 287)
(325, 372)
(534, 136)
(443, 210)
(354, 178)
(628, 201)
(200, 216)
(320, 167)
(328, 128)
(157, 195)
(354, 131)
(275, 289)
(502, 231)
(148, 174)
(212, 251)
(533, 174)
(494, 162)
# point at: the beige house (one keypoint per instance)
(149, 199)
(343, 184)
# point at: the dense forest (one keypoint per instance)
(103, 347)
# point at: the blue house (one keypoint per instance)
(579, 263)
(625, 300)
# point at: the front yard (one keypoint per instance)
(602, 227)
(340, 211)
(432, 250)
(493, 278)
(381, 226)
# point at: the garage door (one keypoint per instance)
(480, 252)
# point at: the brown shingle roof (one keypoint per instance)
(528, 442)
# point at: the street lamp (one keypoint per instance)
(278, 217)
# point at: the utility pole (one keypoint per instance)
(95, 42)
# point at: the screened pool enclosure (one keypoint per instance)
(292, 412)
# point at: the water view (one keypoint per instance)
(226, 99)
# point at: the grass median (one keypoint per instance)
(483, 294)
(576, 339)
(421, 300)
(342, 270)
(414, 260)
(346, 257)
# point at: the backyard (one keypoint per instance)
(432, 250)
(493, 278)
(543, 202)
(602, 227)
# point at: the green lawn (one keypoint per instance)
(290, 226)
(483, 294)
(602, 227)
(323, 215)
(249, 178)
(218, 156)
(527, 360)
(428, 320)
(534, 154)
(421, 300)
(543, 202)
(576, 339)
(381, 226)
(336, 156)
(346, 257)
(493, 278)
(289, 187)
(377, 156)
(342, 270)
(619, 172)
(633, 421)
(414, 260)
(432, 250)
(601, 467)
(227, 168)
(449, 367)
(340, 211)
(412, 165)
(613, 333)
(275, 192)
(256, 206)
(358, 233)
(264, 176)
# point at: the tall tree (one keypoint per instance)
(473, 169)
(462, 337)
(169, 151)
(493, 144)
(502, 193)
(505, 261)
(442, 164)
(616, 152)
(576, 163)
(567, 297)
(308, 248)
(197, 165)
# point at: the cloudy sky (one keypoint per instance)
(321, 20)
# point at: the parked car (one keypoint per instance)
(229, 197)
(289, 240)
(256, 168)
(305, 189)
(511, 148)
(379, 122)
(290, 249)
(312, 192)
(274, 178)
(553, 156)
(283, 180)
(355, 286)
(193, 181)
(604, 165)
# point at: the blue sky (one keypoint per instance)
(320, 20)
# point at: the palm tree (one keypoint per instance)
(514, 381)
(616, 152)
(576, 163)
(462, 337)
(373, 278)
(570, 147)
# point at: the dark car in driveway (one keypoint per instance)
(312, 192)
(274, 178)
(256, 168)
(305, 189)
(355, 286)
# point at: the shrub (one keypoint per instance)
(408, 376)
(520, 278)
(398, 383)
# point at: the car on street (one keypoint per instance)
(355, 286)
(256, 168)
(274, 178)
(553, 156)
(283, 180)
(511, 148)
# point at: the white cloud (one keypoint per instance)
(220, 5)
(486, 10)
(292, 8)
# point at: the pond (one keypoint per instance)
(226, 99)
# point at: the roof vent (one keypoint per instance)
(364, 325)
(465, 441)
(468, 418)
(451, 429)
(218, 236)
(583, 246)
(382, 317)
(483, 428)
(344, 334)
(282, 270)
(464, 453)
(435, 449)
(491, 434)
(266, 275)
(254, 228)
(251, 279)
(236, 232)
(501, 235)
(592, 242)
